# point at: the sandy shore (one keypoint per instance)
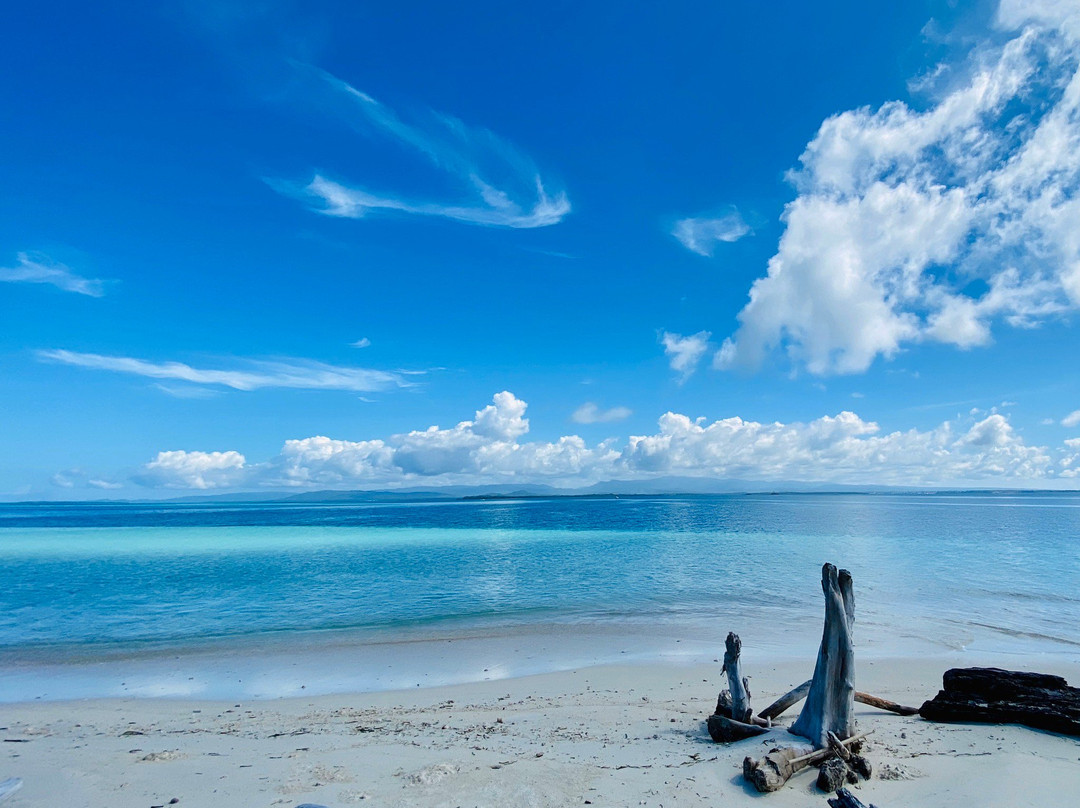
(619, 735)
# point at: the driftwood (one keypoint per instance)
(771, 772)
(795, 695)
(845, 799)
(723, 707)
(727, 730)
(884, 704)
(738, 686)
(830, 702)
(733, 719)
(995, 696)
(774, 770)
(847, 767)
(787, 700)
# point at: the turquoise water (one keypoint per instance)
(996, 572)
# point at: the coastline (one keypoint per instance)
(611, 735)
(295, 664)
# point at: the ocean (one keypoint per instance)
(265, 600)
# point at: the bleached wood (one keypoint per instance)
(771, 772)
(737, 684)
(884, 704)
(830, 702)
(792, 697)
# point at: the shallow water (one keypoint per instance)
(88, 585)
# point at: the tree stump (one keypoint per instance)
(830, 702)
(737, 683)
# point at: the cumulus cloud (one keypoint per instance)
(590, 413)
(932, 224)
(37, 268)
(198, 470)
(1072, 419)
(701, 235)
(685, 353)
(492, 447)
(501, 186)
(291, 373)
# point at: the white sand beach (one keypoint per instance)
(614, 736)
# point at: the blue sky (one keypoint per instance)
(269, 246)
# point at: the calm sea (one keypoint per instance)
(572, 580)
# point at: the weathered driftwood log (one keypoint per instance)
(884, 704)
(771, 772)
(727, 730)
(787, 700)
(795, 695)
(737, 684)
(830, 703)
(995, 696)
(845, 799)
(774, 770)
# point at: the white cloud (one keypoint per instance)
(474, 156)
(1072, 419)
(37, 268)
(590, 413)
(363, 342)
(491, 448)
(684, 353)
(291, 373)
(931, 225)
(183, 391)
(199, 470)
(701, 235)
(78, 478)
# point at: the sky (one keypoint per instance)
(287, 246)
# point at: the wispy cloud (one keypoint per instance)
(38, 268)
(185, 391)
(684, 353)
(363, 342)
(590, 413)
(701, 235)
(289, 373)
(474, 156)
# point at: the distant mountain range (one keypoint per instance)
(654, 487)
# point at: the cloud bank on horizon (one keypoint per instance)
(930, 225)
(491, 448)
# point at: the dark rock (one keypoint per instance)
(861, 766)
(832, 775)
(845, 799)
(996, 696)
